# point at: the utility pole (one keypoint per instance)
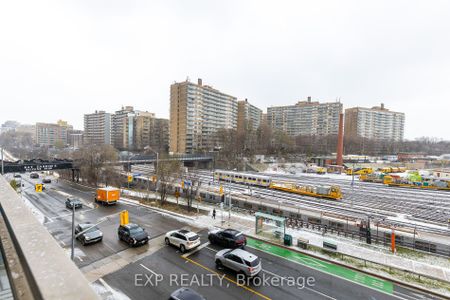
(72, 253)
(353, 174)
(229, 201)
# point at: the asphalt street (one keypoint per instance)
(58, 219)
(161, 272)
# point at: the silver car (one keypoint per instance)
(239, 260)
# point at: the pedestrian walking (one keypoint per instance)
(214, 213)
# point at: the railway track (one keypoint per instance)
(360, 201)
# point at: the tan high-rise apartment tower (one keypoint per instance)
(197, 111)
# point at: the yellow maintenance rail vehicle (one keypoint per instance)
(394, 181)
(328, 192)
(388, 170)
(359, 171)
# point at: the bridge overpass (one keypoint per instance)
(37, 165)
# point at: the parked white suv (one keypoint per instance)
(239, 260)
(183, 239)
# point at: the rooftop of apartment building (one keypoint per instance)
(200, 84)
(381, 108)
(307, 102)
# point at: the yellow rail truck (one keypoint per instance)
(107, 195)
(328, 192)
(388, 170)
(426, 185)
(359, 171)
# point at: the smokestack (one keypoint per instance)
(340, 143)
(309, 98)
(199, 81)
(382, 106)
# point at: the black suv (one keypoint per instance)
(228, 238)
(34, 175)
(46, 180)
(90, 236)
(71, 202)
(133, 234)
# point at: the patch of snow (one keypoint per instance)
(36, 212)
(106, 292)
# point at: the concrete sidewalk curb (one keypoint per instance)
(408, 285)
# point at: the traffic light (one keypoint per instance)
(38, 187)
(221, 190)
(182, 184)
(130, 178)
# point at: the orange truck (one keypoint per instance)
(107, 195)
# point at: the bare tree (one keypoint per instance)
(96, 163)
(191, 188)
(167, 174)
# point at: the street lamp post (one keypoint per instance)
(72, 253)
(229, 200)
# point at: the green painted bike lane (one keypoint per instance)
(349, 274)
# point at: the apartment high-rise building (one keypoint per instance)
(75, 138)
(197, 111)
(48, 134)
(151, 132)
(377, 122)
(97, 128)
(306, 118)
(122, 128)
(249, 117)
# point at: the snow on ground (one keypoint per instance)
(404, 218)
(37, 213)
(106, 292)
(285, 168)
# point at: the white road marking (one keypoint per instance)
(153, 272)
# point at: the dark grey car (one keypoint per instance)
(71, 202)
(90, 236)
(186, 294)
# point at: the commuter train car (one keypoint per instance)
(237, 177)
(332, 192)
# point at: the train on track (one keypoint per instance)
(440, 185)
(318, 191)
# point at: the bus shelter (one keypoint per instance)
(270, 225)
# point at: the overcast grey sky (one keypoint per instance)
(61, 59)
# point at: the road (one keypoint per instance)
(196, 269)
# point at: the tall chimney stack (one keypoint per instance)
(199, 82)
(340, 143)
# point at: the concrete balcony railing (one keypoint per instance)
(40, 267)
